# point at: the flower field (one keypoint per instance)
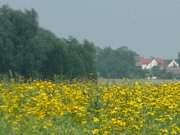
(88, 108)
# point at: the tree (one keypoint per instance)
(55, 62)
(179, 57)
(116, 63)
(17, 30)
(89, 58)
(31, 51)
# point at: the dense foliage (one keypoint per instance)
(30, 51)
(78, 108)
(179, 58)
(118, 63)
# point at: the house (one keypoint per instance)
(152, 64)
(174, 68)
(143, 62)
(170, 66)
(149, 63)
(173, 64)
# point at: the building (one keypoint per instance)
(171, 67)
(143, 62)
(174, 68)
(173, 64)
(149, 63)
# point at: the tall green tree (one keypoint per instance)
(89, 58)
(17, 30)
(179, 57)
(116, 63)
(31, 51)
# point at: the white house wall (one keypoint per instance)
(152, 64)
(173, 64)
(144, 66)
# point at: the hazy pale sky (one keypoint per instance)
(149, 27)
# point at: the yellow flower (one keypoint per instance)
(95, 120)
(95, 131)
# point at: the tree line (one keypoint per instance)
(118, 63)
(28, 50)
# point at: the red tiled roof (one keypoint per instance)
(144, 61)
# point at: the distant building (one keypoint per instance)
(170, 66)
(173, 64)
(143, 62)
(149, 63)
(173, 67)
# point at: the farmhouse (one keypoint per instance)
(149, 63)
(173, 64)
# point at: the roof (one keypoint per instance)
(144, 61)
(141, 60)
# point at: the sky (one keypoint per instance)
(149, 27)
